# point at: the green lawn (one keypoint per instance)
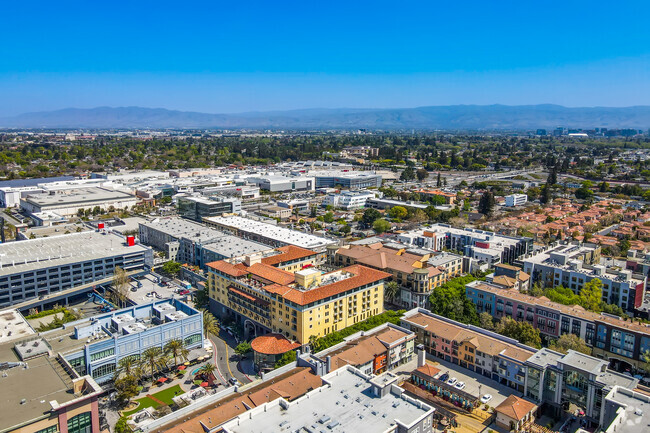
(165, 396)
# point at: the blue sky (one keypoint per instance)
(243, 56)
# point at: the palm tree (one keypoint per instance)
(128, 366)
(210, 324)
(176, 349)
(152, 358)
(391, 290)
(207, 369)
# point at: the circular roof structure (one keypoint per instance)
(273, 344)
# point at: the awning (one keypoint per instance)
(162, 379)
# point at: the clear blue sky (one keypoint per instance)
(231, 56)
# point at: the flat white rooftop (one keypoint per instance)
(288, 236)
(347, 404)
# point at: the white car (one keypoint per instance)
(486, 398)
(460, 385)
(452, 381)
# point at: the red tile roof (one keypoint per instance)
(515, 407)
(288, 253)
(273, 344)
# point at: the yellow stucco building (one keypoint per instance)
(283, 293)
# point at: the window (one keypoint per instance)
(80, 424)
(103, 370)
(103, 354)
(50, 429)
(192, 339)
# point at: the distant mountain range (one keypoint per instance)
(452, 117)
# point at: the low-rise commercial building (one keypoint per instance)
(448, 197)
(280, 183)
(197, 208)
(348, 200)
(39, 267)
(300, 304)
(348, 179)
(513, 200)
(348, 401)
(67, 202)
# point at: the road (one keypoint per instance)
(225, 358)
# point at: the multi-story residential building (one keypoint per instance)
(620, 342)
(477, 244)
(572, 380)
(39, 267)
(513, 200)
(188, 242)
(268, 234)
(509, 276)
(413, 269)
(349, 180)
(448, 197)
(380, 349)
(348, 200)
(565, 265)
(298, 304)
(490, 354)
(197, 208)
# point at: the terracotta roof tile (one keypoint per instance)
(515, 407)
(273, 344)
(289, 252)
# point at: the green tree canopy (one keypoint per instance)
(398, 212)
(370, 216)
(568, 342)
(523, 332)
(381, 226)
(591, 295)
(171, 268)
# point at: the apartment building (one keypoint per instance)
(572, 380)
(573, 266)
(487, 353)
(299, 304)
(415, 270)
(448, 197)
(477, 244)
(620, 342)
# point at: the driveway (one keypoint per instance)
(226, 359)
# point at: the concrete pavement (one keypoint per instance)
(226, 359)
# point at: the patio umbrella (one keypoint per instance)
(197, 382)
(187, 363)
(204, 384)
(182, 367)
(163, 380)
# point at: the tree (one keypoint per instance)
(545, 195)
(120, 285)
(391, 290)
(603, 187)
(243, 348)
(126, 387)
(152, 358)
(449, 300)
(121, 426)
(421, 174)
(439, 180)
(533, 193)
(381, 226)
(176, 349)
(591, 295)
(171, 268)
(418, 216)
(398, 212)
(287, 358)
(583, 193)
(552, 177)
(645, 356)
(328, 217)
(370, 216)
(520, 331)
(128, 366)
(486, 321)
(486, 203)
(345, 229)
(207, 370)
(407, 174)
(210, 324)
(568, 342)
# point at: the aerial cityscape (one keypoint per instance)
(308, 218)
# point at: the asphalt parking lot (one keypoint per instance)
(473, 380)
(149, 285)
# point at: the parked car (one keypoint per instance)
(444, 377)
(486, 398)
(184, 292)
(233, 381)
(460, 385)
(452, 381)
